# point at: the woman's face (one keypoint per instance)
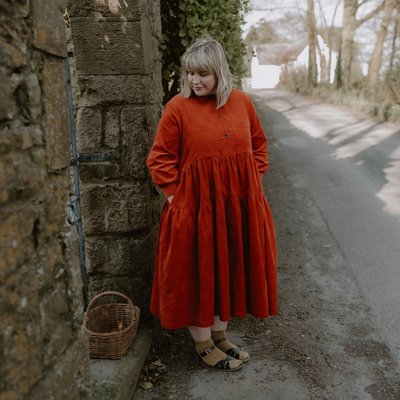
(202, 82)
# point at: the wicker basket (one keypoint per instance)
(111, 328)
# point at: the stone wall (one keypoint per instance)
(43, 353)
(114, 53)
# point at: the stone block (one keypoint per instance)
(49, 27)
(114, 208)
(50, 260)
(13, 48)
(153, 115)
(95, 255)
(36, 135)
(25, 301)
(124, 9)
(130, 286)
(109, 47)
(154, 16)
(15, 9)
(21, 352)
(150, 43)
(55, 212)
(88, 129)
(68, 378)
(16, 236)
(16, 135)
(155, 84)
(111, 127)
(52, 307)
(135, 140)
(7, 104)
(112, 90)
(117, 379)
(122, 256)
(70, 245)
(100, 171)
(26, 97)
(56, 120)
(57, 342)
(20, 174)
(74, 81)
(34, 96)
(44, 354)
(128, 256)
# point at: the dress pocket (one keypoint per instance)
(242, 136)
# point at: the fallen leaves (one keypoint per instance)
(152, 373)
(146, 385)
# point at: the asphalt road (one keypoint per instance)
(334, 187)
(350, 164)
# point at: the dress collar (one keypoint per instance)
(201, 99)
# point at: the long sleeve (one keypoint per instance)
(258, 140)
(164, 155)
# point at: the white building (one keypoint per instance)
(266, 66)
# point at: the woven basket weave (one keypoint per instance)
(111, 328)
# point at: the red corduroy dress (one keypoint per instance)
(216, 250)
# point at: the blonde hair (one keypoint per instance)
(206, 54)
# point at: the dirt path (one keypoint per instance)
(323, 344)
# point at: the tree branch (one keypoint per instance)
(270, 9)
(322, 12)
(370, 15)
(334, 14)
(362, 3)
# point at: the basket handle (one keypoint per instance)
(109, 294)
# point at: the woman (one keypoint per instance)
(216, 254)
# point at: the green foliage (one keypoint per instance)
(293, 77)
(261, 33)
(183, 21)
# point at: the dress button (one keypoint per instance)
(225, 135)
(219, 115)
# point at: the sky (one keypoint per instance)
(276, 9)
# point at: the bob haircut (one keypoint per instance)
(206, 54)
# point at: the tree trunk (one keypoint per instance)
(396, 26)
(338, 70)
(350, 24)
(312, 42)
(398, 12)
(376, 60)
(348, 30)
(329, 42)
(322, 63)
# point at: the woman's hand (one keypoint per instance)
(170, 198)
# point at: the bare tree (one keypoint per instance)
(312, 43)
(350, 24)
(329, 41)
(376, 59)
(398, 11)
(390, 69)
(326, 77)
(393, 81)
(322, 58)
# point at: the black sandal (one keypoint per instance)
(223, 364)
(234, 352)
